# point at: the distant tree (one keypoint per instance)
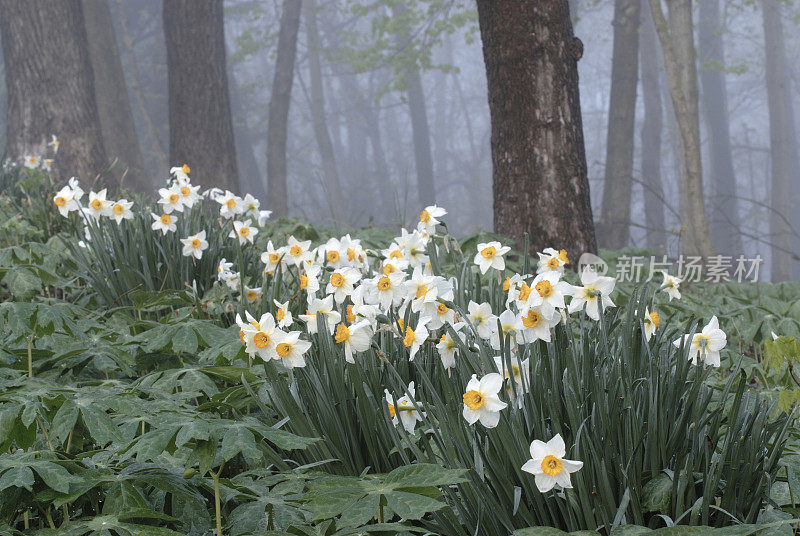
(614, 228)
(724, 206)
(113, 104)
(200, 124)
(540, 182)
(279, 108)
(652, 127)
(783, 145)
(680, 61)
(49, 84)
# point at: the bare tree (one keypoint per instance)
(782, 141)
(49, 83)
(540, 183)
(200, 124)
(277, 192)
(680, 61)
(614, 228)
(113, 104)
(714, 96)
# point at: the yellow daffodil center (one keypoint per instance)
(280, 314)
(332, 256)
(173, 198)
(241, 337)
(230, 203)
(118, 209)
(303, 281)
(442, 308)
(251, 295)
(295, 250)
(97, 204)
(489, 252)
(283, 349)
(531, 320)
(701, 341)
(544, 288)
(553, 263)
(473, 399)
(410, 337)
(33, 160)
(384, 283)
(563, 256)
(60, 201)
(166, 219)
(185, 168)
(261, 339)
(195, 243)
(342, 333)
(551, 465)
(524, 292)
(391, 409)
(273, 258)
(351, 254)
(185, 191)
(396, 254)
(388, 269)
(655, 319)
(350, 316)
(424, 216)
(421, 291)
(506, 284)
(244, 231)
(337, 279)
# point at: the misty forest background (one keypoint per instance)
(382, 107)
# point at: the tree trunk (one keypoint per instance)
(677, 44)
(333, 188)
(783, 146)
(724, 215)
(538, 155)
(277, 192)
(200, 125)
(49, 84)
(250, 178)
(652, 127)
(614, 228)
(113, 105)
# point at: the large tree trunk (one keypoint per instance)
(652, 127)
(200, 125)
(724, 216)
(277, 192)
(113, 105)
(333, 188)
(538, 155)
(49, 84)
(783, 145)
(677, 44)
(614, 228)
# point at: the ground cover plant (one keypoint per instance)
(183, 365)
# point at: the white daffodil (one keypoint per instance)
(429, 218)
(194, 245)
(251, 206)
(706, 345)
(342, 282)
(272, 256)
(413, 339)
(490, 255)
(440, 315)
(291, 349)
(263, 216)
(231, 205)
(98, 204)
(520, 292)
(596, 289)
(65, 201)
(31, 161)
(164, 223)
(252, 294)
(651, 321)
(548, 465)
(309, 280)
(232, 280)
(508, 326)
(171, 199)
(420, 289)
(360, 310)
(223, 267)
(297, 252)
(551, 260)
(481, 317)
(322, 307)
(481, 400)
(334, 253)
(403, 411)
(121, 210)
(181, 173)
(54, 143)
(259, 336)
(189, 194)
(551, 290)
(385, 290)
(671, 285)
(447, 346)
(355, 338)
(414, 246)
(535, 324)
(519, 373)
(243, 231)
(283, 316)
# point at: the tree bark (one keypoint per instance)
(49, 84)
(783, 145)
(538, 154)
(725, 209)
(677, 44)
(113, 105)
(277, 134)
(652, 127)
(614, 228)
(200, 124)
(333, 186)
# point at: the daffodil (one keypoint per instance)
(481, 400)
(706, 345)
(291, 350)
(189, 194)
(259, 336)
(651, 321)
(309, 280)
(31, 161)
(448, 347)
(251, 206)
(230, 205)
(355, 338)
(519, 373)
(490, 255)
(671, 285)
(481, 317)
(414, 338)
(548, 465)
(98, 204)
(551, 260)
(342, 282)
(596, 289)
(508, 326)
(171, 199)
(283, 316)
(121, 210)
(272, 257)
(403, 410)
(65, 201)
(164, 223)
(181, 173)
(429, 218)
(54, 143)
(297, 252)
(194, 245)
(252, 294)
(385, 290)
(243, 231)
(549, 291)
(322, 307)
(535, 323)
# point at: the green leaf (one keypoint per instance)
(22, 282)
(17, 477)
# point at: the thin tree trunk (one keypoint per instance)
(677, 44)
(783, 145)
(652, 127)
(540, 183)
(277, 191)
(113, 105)
(49, 83)
(332, 184)
(614, 228)
(156, 143)
(725, 208)
(200, 124)
(250, 177)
